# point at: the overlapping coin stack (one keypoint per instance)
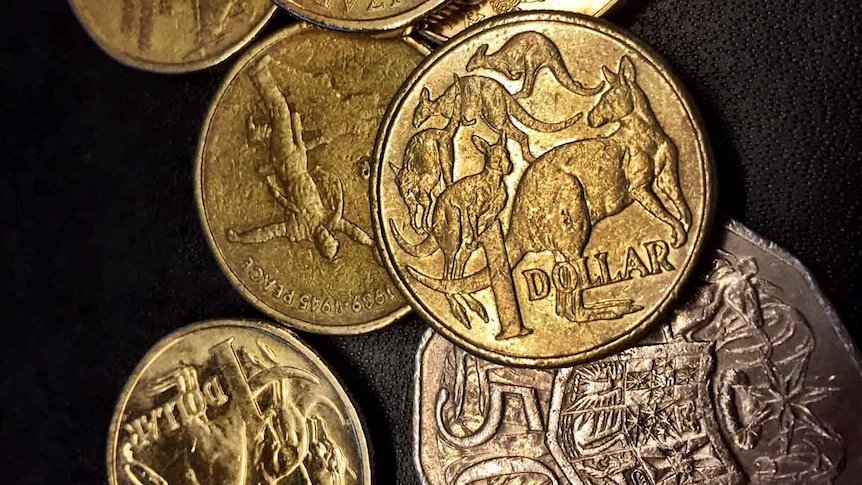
(537, 185)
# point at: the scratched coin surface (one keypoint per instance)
(753, 380)
(361, 15)
(542, 190)
(172, 35)
(235, 402)
(282, 177)
(468, 12)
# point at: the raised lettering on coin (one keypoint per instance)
(235, 402)
(282, 177)
(543, 189)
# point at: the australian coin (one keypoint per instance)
(172, 35)
(468, 12)
(235, 402)
(543, 189)
(752, 381)
(282, 176)
(361, 15)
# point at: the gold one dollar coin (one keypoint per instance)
(237, 402)
(361, 15)
(172, 35)
(468, 12)
(543, 189)
(282, 177)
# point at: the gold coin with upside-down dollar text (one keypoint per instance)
(172, 35)
(282, 177)
(542, 188)
(235, 401)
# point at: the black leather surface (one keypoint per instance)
(103, 253)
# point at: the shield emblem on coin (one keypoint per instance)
(642, 417)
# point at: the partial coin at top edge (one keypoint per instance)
(465, 13)
(362, 15)
(169, 36)
(282, 177)
(559, 238)
(235, 401)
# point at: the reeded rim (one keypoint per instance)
(708, 180)
(389, 23)
(247, 293)
(427, 31)
(167, 67)
(417, 404)
(285, 335)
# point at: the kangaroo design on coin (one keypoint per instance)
(748, 382)
(172, 35)
(282, 177)
(235, 402)
(524, 56)
(575, 243)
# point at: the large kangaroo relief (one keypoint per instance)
(312, 200)
(558, 200)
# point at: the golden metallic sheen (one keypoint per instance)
(361, 15)
(468, 12)
(542, 189)
(172, 35)
(235, 402)
(282, 177)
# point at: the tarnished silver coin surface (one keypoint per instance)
(753, 380)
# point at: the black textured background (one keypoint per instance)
(103, 253)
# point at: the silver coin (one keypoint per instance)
(753, 380)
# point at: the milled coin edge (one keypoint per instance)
(236, 283)
(292, 340)
(385, 24)
(708, 180)
(417, 404)
(135, 62)
(427, 32)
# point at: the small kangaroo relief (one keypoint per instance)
(464, 210)
(471, 98)
(427, 169)
(523, 57)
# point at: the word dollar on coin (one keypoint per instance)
(236, 402)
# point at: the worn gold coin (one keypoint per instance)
(235, 402)
(172, 35)
(282, 177)
(542, 188)
(361, 15)
(469, 12)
